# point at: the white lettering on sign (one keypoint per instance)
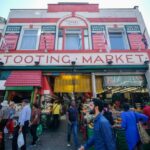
(80, 58)
(73, 21)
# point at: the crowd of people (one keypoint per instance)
(103, 137)
(20, 123)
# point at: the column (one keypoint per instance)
(93, 85)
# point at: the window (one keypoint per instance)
(73, 39)
(117, 40)
(29, 39)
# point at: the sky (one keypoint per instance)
(6, 5)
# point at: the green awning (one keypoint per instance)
(96, 68)
(19, 88)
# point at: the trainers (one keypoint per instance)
(68, 144)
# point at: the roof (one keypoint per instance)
(24, 78)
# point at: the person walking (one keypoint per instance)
(35, 120)
(72, 121)
(10, 123)
(4, 116)
(102, 138)
(129, 123)
(23, 124)
(56, 111)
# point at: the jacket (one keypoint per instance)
(102, 138)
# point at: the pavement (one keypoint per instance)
(49, 140)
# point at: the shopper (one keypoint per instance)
(56, 111)
(72, 121)
(35, 120)
(10, 124)
(102, 138)
(129, 120)
(146, 111)
(23, 124)
(4, 116)
(107, 114)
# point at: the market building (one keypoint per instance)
(75, 48)
(2, 82)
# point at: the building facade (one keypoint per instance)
(75, 48)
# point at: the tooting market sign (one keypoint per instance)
(66, 58)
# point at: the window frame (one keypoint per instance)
(118, 30)
(21, 38)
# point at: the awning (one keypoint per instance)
(24, 78)
(69, 83)
(46, 89)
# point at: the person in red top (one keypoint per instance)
(35, 120)
(146, 111)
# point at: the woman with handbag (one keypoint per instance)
(129, 123)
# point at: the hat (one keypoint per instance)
(5, 103)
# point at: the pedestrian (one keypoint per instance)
(146, 111)
(35, 120)
(129, 123)
(102, 138)
(107, 114)
(23, 124)
(10, 124)
(4, 116)
(72, 124)
(56, 111)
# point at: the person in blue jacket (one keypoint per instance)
(102, 138)
(129, 121)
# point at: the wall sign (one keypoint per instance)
(48, 28)
(132, 28)
(13, 29)
(73, 21)
(98, 28)
(124, 81)
(44, 59)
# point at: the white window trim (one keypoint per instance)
(21, 36)
(126, 43)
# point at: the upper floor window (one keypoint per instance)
(117, 39)
(73, 40)
(29, 39)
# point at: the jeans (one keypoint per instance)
(73, 128)
(15, 136)
(33, 129)
(56, 121)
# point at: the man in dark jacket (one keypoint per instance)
(103, 137)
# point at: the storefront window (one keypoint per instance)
(29, 39)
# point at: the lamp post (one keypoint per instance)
(73, 77)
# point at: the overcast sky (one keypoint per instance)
(6, 5)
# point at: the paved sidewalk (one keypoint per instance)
(49, 140)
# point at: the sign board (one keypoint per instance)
(13, 29)
(48, 28)
(73, 21)
(52, 59)
(124, 81)
(98, 28)
(132, 28)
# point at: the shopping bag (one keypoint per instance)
(20, 140)
(145, 138)
(39, 130)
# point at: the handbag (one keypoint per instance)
(145, 138)
(20, 140)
